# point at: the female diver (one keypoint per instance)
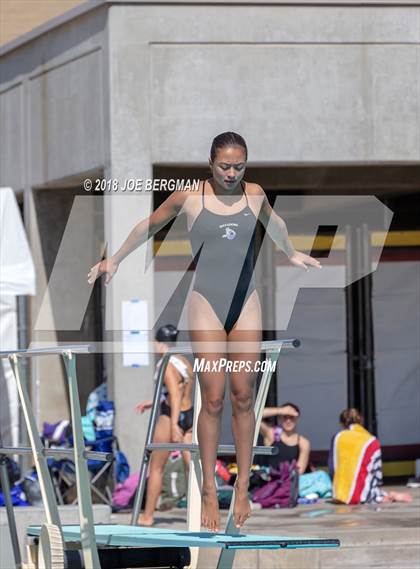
(224, 311)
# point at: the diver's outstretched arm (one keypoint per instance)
(277, 230)
(140, 233)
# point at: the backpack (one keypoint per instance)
(17, 496)
(174, 484)
(32, 488)
(122, 468)
(283, 489)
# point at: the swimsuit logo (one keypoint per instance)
(230, 233)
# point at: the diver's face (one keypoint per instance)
(228, 167)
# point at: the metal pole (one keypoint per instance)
(267, 254)
(227, 556)
(371, 422)
(221, 449)
(75, 348)
(194, 482)
(22, 317)
(45, 483)
(149, 438)
(87, 528)
(349, 318)
(67, 452)
(360, 325)
(4, 478)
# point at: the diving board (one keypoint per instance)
(138, 536)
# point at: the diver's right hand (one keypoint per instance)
(108, 266)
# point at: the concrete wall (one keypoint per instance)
(53, 104)
(53, 109)
(125, 86)
(302, 84)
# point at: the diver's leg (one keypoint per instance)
(242, 393)
(212, 386)
(208, 336)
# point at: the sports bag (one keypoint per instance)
(283, 489)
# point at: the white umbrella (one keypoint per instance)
(17, 277)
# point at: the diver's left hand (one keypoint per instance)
(304, 261)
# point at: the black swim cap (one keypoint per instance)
(167, 333)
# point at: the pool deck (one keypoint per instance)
(372, 536)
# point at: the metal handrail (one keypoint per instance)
(221, 449)
(270, 347)
(74, 348)
(65, 452)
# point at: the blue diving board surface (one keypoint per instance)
(138, 536)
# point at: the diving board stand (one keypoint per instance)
(68, 353)
(272, 350)
(143, 546)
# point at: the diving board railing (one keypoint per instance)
(272, 350)
(90, 552)
(45, 484)
(90, 535)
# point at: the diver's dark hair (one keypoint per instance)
(227, 139)
(167, 333)
(288, 404)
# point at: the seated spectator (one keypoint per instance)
(355, 464)
(285, 437)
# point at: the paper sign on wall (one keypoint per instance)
(135, 333)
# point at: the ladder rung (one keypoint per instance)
(64, 452)
(266, 346)
(221, 449)
(74, 348)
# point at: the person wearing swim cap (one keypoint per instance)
(176, 416)
(224, 311)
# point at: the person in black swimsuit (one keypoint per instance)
(176, 416)
(224, 312)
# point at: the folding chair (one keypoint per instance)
(103, 476)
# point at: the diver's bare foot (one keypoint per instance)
(210, 517)
(241, 507)
(145, 521)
